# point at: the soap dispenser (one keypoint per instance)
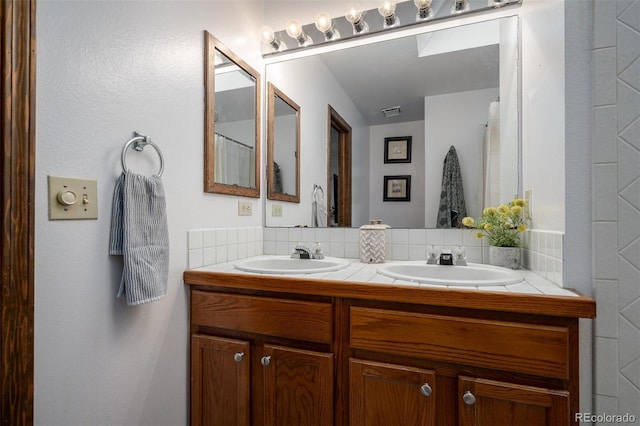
(373, 242)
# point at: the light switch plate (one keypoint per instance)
(527, 204)
(72, 198)
(276, 210)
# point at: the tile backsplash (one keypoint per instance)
(542, 253)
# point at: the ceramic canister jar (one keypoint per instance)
(373, 242)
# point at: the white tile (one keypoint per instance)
(352, 235)
(243, 235)
(322, 235)
(605, 250)
(269, 247)
(605, 130)
(209, 256)
(221, 255)
(606, 322)
(629, 343)
(604, 24)
(606, 366)
(417, 236)
(628, 282)
(243, 250)
(474, 254)
(269, 234)
(195, 237)
(399, 236)
(417, 252)
(469, 239)
(337, 249)
(196, 258)
(604, 84)
(209, 238)
(352, 250)
(232, 236)
(453, 237)
(221, 237)
(308, 234)
(283, 248)
(400, 252)
(232, 252)
(336, 235)
(628, 399)
(435, 237)
(295, 235)
(282, 234)
(259, 234)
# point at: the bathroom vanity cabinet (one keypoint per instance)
(271, 350)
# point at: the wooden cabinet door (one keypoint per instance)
(491, 403)
(387, 394)
(219, 381)
(298, 387)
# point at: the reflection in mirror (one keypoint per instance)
(455, 87)
(283, 147)
(232, 123)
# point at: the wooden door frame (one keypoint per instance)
(17, 174)
(344, 167)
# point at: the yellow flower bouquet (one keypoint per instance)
(502, 225)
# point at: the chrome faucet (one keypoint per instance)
(303, 252)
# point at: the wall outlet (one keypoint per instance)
(276, 210)
(244, 208)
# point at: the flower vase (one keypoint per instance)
(507, 257)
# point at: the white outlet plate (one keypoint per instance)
(244, 208)
(276, 210)
(72, 198)
(527, 204)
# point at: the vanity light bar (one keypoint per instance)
(390, 16)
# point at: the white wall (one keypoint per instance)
(399, 214)
(543, 110)
(106, 69)
(314, 91)
(465, 131)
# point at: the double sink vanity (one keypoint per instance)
(280, 341)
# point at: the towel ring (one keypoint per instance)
(139, 142)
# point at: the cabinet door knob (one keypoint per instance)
(266, 360)
(468, 398)
(238, 356)
(426, 389)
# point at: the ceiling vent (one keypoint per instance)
(391, 112)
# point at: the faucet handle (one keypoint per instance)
(460, 256)
(317, 251)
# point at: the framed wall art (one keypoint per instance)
(397, 188)
(397, 149)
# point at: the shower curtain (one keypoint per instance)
(234, 163)
(491, 149)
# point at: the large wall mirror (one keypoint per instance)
(283, 146)
(455, 86)
(232, 123)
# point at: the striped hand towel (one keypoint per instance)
(139, 233)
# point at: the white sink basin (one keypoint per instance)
(286, 265)
(474, 274)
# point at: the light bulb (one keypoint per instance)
(387, 9)
(354, 15)
(267, 35)
(424, 9)
(323, 22)
(294, 28)
(459, 6)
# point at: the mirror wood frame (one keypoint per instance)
(212, 44)
(273, 91)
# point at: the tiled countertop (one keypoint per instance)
(358, 272)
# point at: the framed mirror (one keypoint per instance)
(456, 86)
(232, 123)
(283, 147)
